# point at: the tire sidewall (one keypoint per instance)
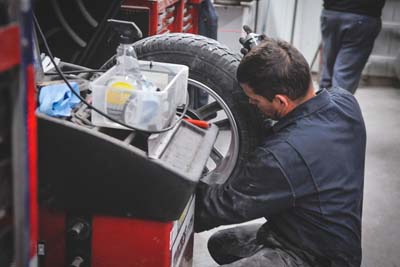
(216, 69)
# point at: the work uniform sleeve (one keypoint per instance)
(260, 191)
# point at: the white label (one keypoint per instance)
(185, 230)
(41, 249)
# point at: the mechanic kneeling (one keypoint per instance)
(306, 178)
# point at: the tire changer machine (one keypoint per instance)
(112, 197)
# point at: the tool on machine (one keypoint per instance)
(250, 40)
(199, 123)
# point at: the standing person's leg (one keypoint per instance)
(331, 40)
(357, 43)
(208, 26)
(208, 20)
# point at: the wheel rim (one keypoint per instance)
(224, 154)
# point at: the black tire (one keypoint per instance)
(214, 66)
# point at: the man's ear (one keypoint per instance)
(283, 100)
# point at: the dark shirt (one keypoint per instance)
(306, 179)
(371, 8)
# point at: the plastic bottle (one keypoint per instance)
(128, 81)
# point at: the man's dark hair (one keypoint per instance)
(275, 67)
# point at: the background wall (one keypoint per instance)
(298, 21)
(293, 21)
(382, 61)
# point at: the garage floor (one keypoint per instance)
(381, 219)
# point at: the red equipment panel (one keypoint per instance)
(116, 241)
(130, 242)
(168, 15)
(10, 52)
(52, 232)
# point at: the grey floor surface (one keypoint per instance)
(381, 219)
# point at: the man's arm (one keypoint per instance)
(261, 190)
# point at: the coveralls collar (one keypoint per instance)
(321, 99)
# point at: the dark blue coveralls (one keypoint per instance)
(306, 179)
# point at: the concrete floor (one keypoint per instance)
(381, 219)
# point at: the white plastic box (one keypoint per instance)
(171, 79)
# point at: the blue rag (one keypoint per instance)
(57, 100)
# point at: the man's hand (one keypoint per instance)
(251, 40)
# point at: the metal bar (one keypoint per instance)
(293, 21)
(216, 155)
(223, 124)
(130, 137)
(24, 148)
(208, 110)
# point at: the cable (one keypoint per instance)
(73, 66)
(78, 40)
(89, 52)
(109, 61)
(86, 14)
(92, 107)
(75, 72)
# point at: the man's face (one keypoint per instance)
(268, 108)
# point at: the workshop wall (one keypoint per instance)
(276, 19)
(293, 21)
(386, 54)
(298, 21)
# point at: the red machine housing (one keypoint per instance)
(115, 241)
(9, 50)
(135, 211)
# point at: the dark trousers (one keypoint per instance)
(208, 26)
(241, 247)
(348, 40)
(208, 20)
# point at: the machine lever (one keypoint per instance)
(199, 123)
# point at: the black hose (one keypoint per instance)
(75, 72)
(74, 66)
(78, 40)
(53, 31)
(86, 14)
(108, 63)
(100, 31)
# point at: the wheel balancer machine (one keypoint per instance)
(108, 204)
(118, 198)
